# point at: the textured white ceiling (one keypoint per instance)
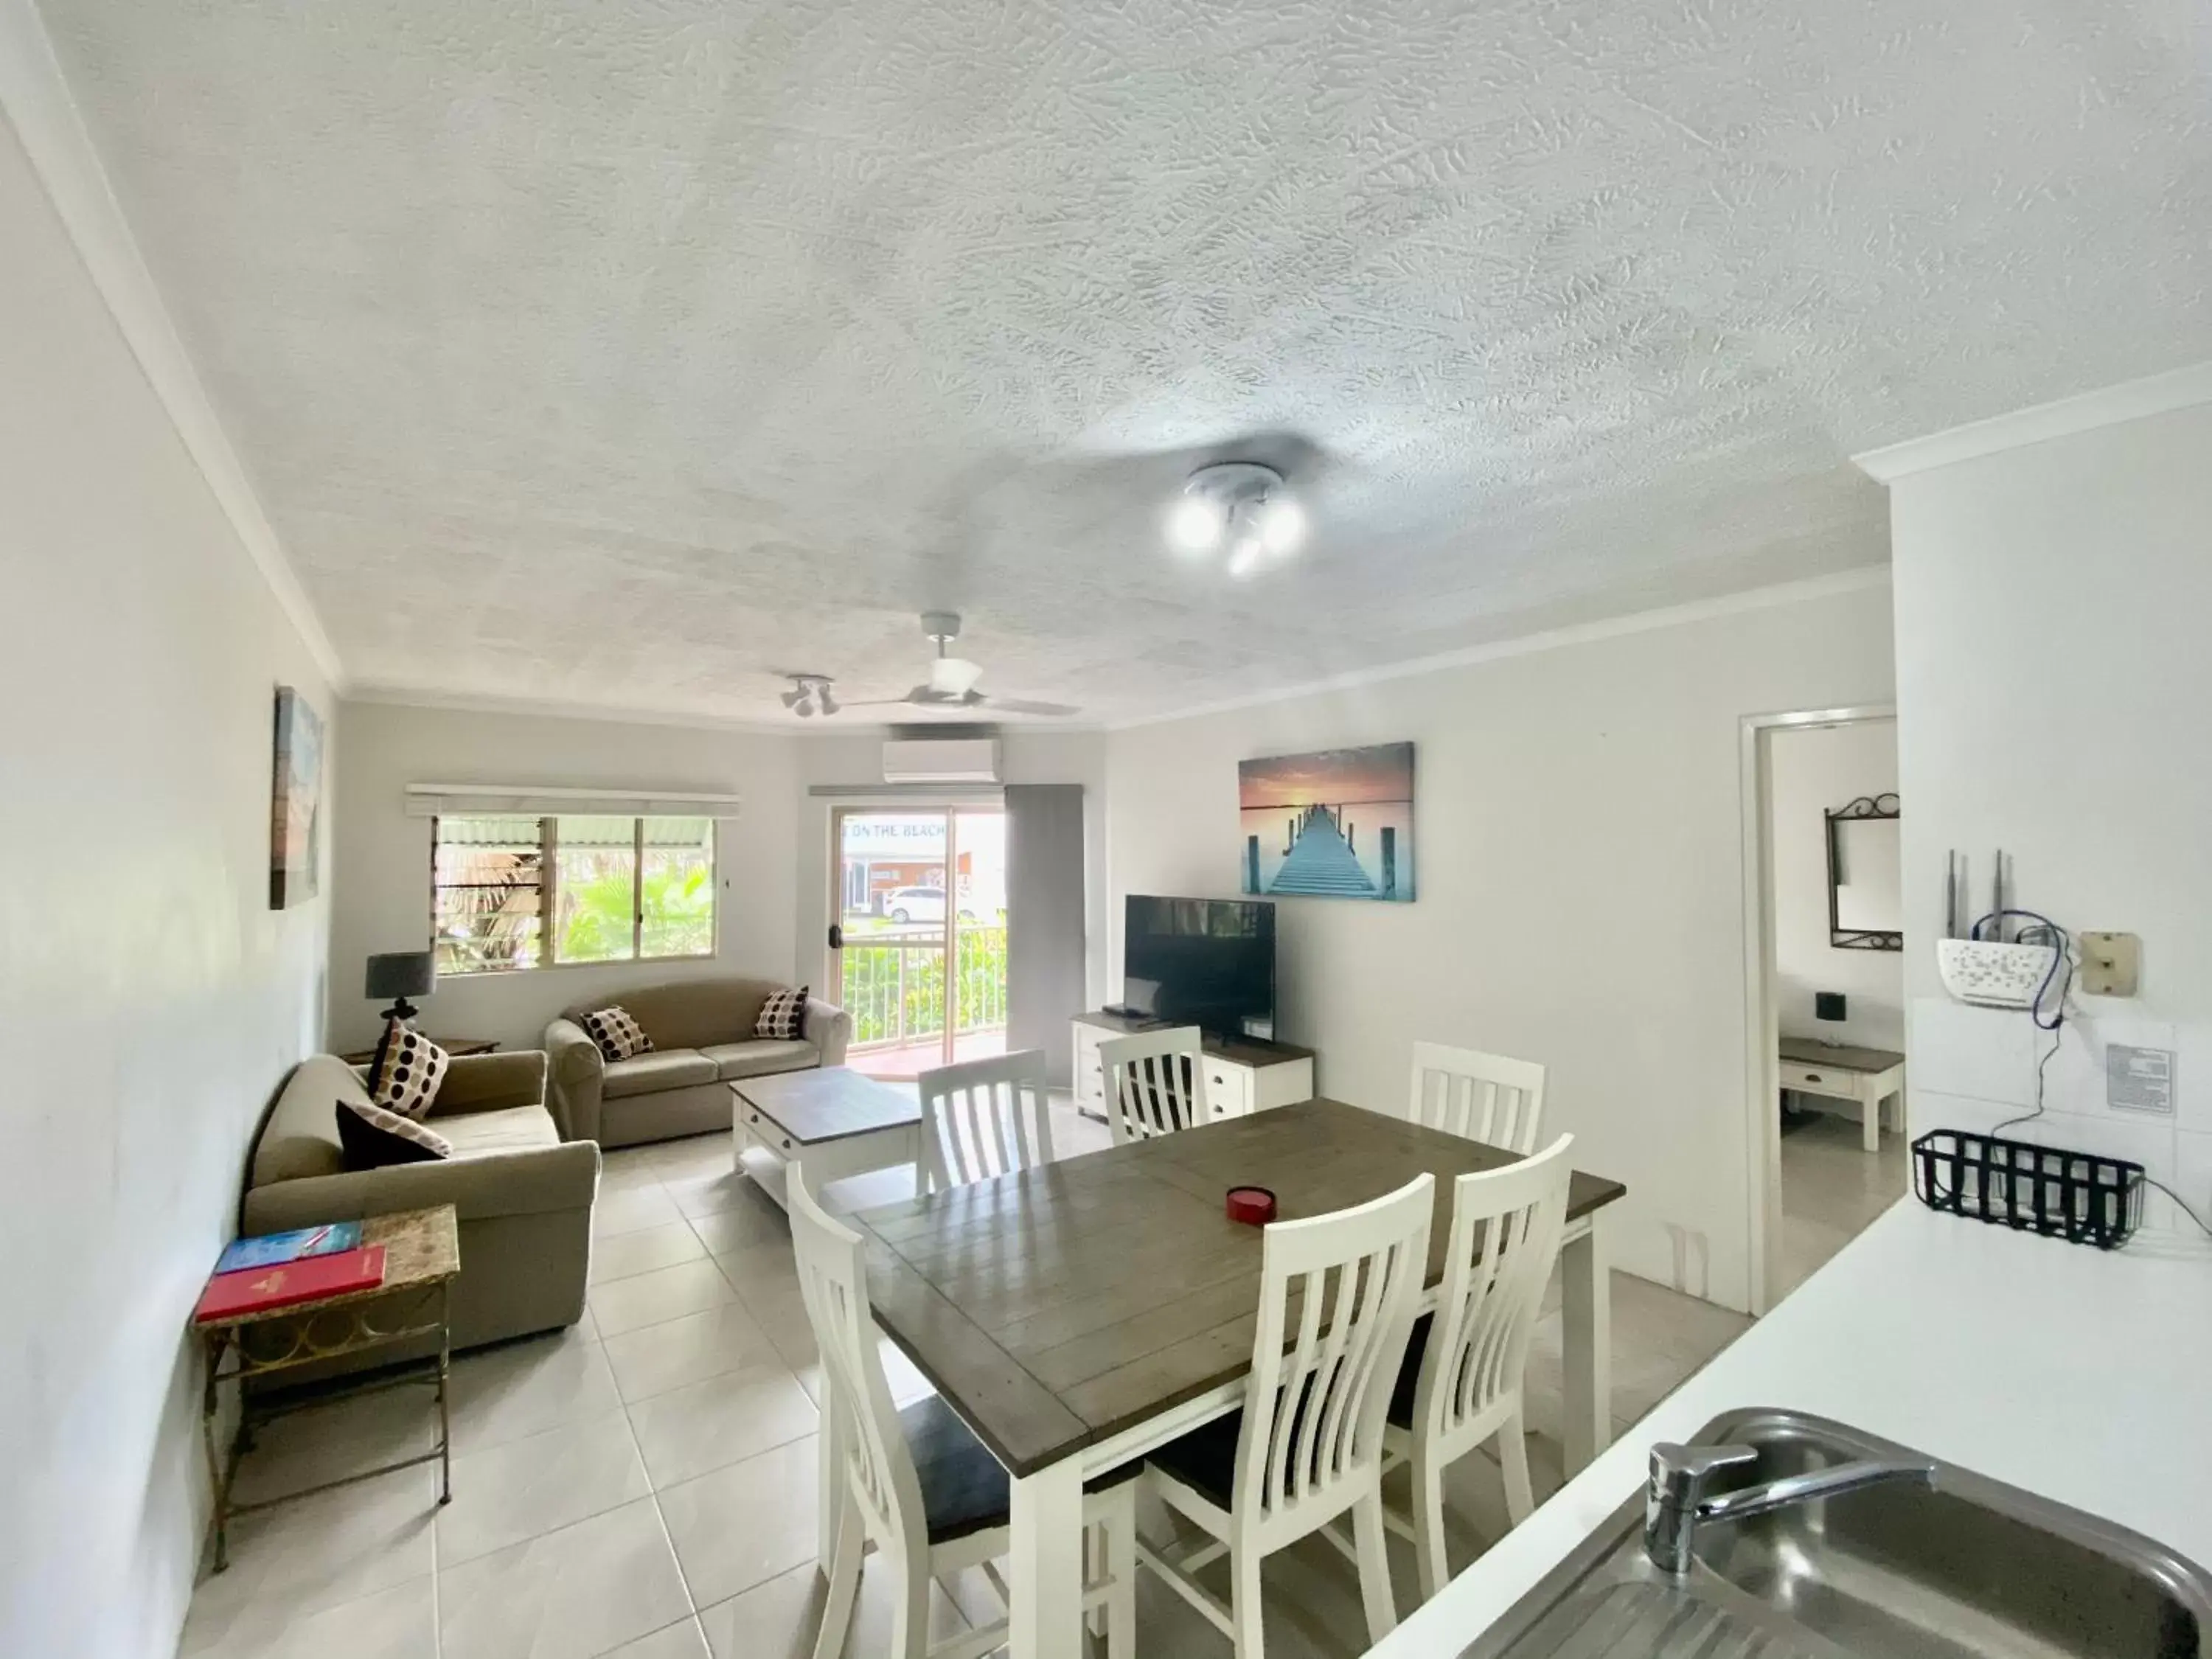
(622, 353)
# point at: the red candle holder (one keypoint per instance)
(1253, 1205)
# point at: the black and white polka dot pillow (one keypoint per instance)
(374, 1138)
(408, 1070)
(782, 1015)
(619, 1036)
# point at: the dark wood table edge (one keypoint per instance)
(737, 1087)
(1597, 1193)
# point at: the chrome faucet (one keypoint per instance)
(1675, 1505)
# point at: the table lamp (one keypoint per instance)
(400, 975)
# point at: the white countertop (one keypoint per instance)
(2084, 1376)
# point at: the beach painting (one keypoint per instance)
(295, 806)
(1336, 824)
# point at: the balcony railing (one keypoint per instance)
(894, 987)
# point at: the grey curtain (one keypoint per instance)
(1044, 922)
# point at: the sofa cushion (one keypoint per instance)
(648, 1074)
(782, 1015)
(375, 1139)
(407, 1070)
(618, 1036)
(300, 1138)
(691, 1013)
(510, 1129)
(760, 1056)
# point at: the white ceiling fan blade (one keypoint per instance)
(1023, 705)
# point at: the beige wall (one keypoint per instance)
(2053, 683)
(154, 1000)
(1579, 848)
(1814, 770)
(383, 856)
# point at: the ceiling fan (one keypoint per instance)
(951, 681)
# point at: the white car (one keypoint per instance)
(920, 904)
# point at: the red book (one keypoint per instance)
(256, 1290)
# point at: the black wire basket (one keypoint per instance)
(2077, 1196)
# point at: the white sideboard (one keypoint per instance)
(1242, 1074)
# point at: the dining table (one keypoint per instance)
(1079, 1314)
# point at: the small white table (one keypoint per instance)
(832, 1120)
(1839, 1071)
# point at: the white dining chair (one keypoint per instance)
(983, 1118)
(916, 1484)
(1478, 1097)
(1462, 1379)
(1155, 1083)
(1337, 1296)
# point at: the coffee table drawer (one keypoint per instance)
(1821, 1079)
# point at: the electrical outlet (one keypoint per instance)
(2111, 964)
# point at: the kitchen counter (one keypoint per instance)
(2084, 1376)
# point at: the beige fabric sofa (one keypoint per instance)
(702, 1039)
(524, 1196)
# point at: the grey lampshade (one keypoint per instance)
(402, 973)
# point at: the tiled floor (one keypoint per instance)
(644, 1484)
(1832, 1189)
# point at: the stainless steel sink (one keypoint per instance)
(1960, 1568)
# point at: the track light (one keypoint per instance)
(1240, 506)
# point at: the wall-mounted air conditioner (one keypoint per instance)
(941, 760)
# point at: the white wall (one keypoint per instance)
(383, 856)
(1814, 770)
(2053, 681)
(1578, 837)
(154, 1000)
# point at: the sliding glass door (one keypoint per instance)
(919, 896)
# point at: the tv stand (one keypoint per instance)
(1243, 1074)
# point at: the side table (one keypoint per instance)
(421, 1254)
(455, 1047)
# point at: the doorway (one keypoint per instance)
(1824, 975)
(919, 896)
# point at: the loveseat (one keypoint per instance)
(524, 1196)
(703, 1040)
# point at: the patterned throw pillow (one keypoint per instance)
(373, 1137)
(780, 1015)
(408, 1069)
(619, 1036)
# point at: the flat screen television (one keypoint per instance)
(1207, 962)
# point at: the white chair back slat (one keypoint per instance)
(1155, 1083)
(1478, 1097)
(1506, 1230)
(983, 1118)
(877, 1462)
(1347, 1284)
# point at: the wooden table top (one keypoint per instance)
(828, 1103)
(455, 1047)
(1843, 1056)
(422, 1248)
(1061, 1306)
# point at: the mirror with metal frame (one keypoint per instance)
(1866, 891)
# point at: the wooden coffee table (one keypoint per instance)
(832, 1120)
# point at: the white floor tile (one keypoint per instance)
(629, 1305)
(517, 1491)
(742, 1226)
(525, 1387)
(742, 1525)
(779, 1620)
(624, 1256)
(318, 1551)
(654, 1359)
(714, 1193)
(684, 1641)
(628, 1209)
(572, 1594)
(399, 1623)
(723, 1420)
(325, 1443)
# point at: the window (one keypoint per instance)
(511, 893)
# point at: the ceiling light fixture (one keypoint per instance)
(809, 695)
(1239, 508)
